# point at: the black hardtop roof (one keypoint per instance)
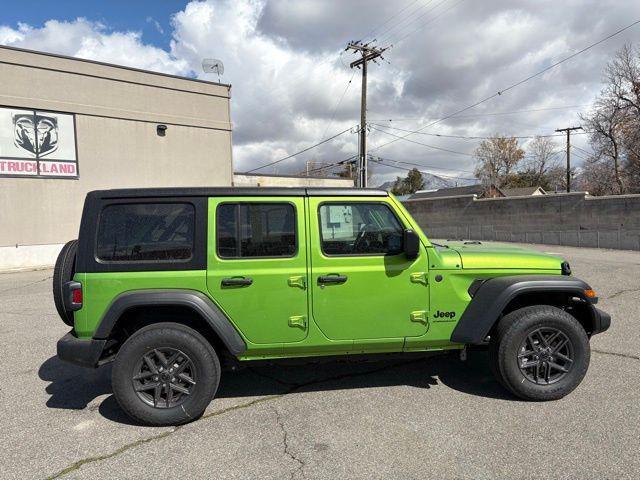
(238, 192)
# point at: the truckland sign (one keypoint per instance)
(36, 143)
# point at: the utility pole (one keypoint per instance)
(367, 53)
(568, 130)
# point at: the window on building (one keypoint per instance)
(359, 229)
(146, 232)
(256, 230)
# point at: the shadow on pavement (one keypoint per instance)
(71, 387)
(74, 387)
(472, 377)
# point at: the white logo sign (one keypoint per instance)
(35, 143)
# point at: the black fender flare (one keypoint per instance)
(196, 301)
(493, 295)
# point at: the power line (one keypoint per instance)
(397, 24)
(398, 137)
(488, 114)
(390, 34)
(329, 165)
(582, 149)
(370, 32)
(440, 148)
(424, 165)
(380, 161)
(333, 115)
(471, 137)
(433, 19)
(510, 87)
(301, 151)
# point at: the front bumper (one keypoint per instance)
(85, 353)
(601, 320)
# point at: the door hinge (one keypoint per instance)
(419, 316)
(298, 281)
(419, 277)
(299, 321)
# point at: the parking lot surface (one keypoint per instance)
(397, 418)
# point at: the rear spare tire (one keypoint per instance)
(63, 272)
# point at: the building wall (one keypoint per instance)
(117, 111)
(575, 219)
(245, 180)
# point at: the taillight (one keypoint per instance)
(72, 296)
(76, 296)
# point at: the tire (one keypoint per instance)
(167, 338)
(539, 353)
(63, 272)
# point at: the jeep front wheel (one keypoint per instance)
(165, 374)
(539, 352)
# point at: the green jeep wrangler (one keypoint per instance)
(166, 282)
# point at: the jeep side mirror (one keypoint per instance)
(411, 243)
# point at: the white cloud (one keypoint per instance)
(156, 24)
(92, 40)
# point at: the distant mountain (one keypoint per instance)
(433, 182)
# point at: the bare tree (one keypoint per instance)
(597, 177)
(622, 76)
(497, 159)
(614, 125)
(604, 123)
(542, 163)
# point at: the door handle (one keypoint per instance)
(334, 278)
(237, 282)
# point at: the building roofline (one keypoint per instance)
(114, 65)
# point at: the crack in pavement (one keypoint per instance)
(616, 354)
(285, 444)
(27, 285)
(622, 292)
(295, 387)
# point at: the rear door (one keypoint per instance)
(363, 286)
(257, 265)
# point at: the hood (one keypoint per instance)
(476, 255)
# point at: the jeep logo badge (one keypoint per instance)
(440, 314)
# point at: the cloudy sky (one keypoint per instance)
(292, 85)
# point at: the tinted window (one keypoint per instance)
(146, 231)
(256, 230)
(359, 229)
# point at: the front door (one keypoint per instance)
(363, 286)
(257, 266)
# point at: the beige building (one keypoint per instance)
(68, 126)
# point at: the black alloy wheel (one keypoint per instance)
(545, 356)
(164, 377)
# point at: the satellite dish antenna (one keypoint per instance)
(212, 65)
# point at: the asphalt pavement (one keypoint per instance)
(399, 418)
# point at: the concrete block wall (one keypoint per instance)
(574, 219)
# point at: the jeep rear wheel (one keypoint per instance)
(165, 374)
(539, 352)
